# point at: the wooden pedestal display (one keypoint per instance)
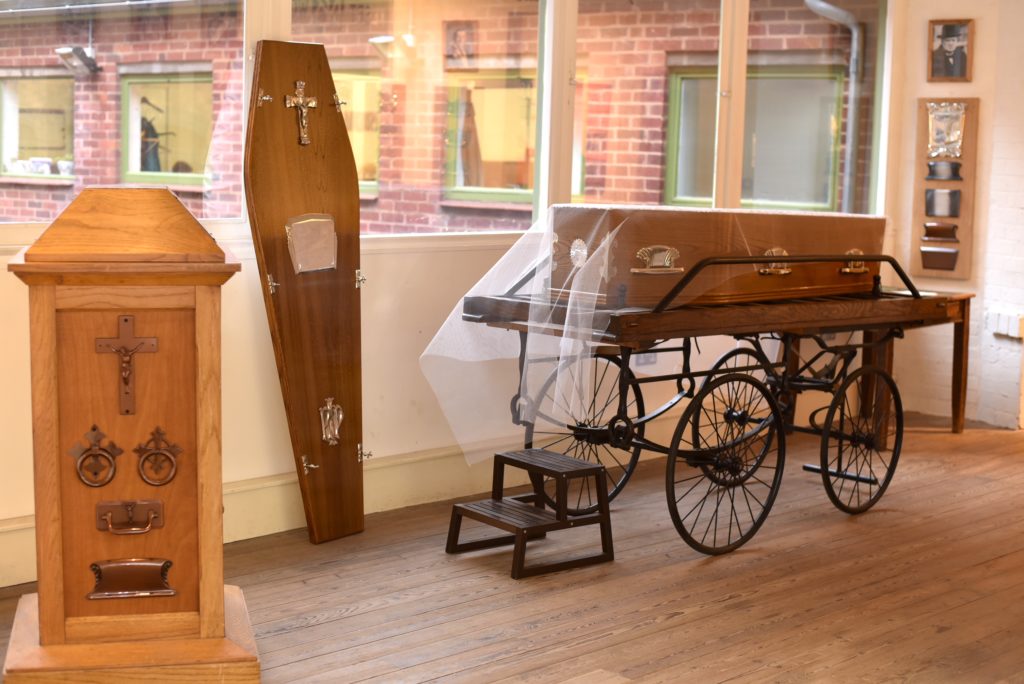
(124, 297)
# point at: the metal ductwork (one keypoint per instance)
(841, 16)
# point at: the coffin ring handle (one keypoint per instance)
(658, 260)
(129, 529)
(775, 268)
(854, 266)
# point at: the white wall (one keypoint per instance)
(923, 360)
(413, 284)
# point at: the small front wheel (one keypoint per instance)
(725, 464)
(861, 439)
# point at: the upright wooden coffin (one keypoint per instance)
(695, 234)
(303, 196)
(124, 293)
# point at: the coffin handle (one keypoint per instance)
(775, 268)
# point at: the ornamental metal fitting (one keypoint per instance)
(158, 459)
(95, 463)
(331, 416)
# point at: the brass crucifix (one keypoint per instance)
(303, 104)
(126, 346)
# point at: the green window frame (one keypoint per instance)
(16, 120)
(130, 172)
(707, 77)
(362, 121)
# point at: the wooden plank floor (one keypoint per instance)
(929, 586)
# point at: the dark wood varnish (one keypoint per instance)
(314, 317)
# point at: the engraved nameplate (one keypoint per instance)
(312, 242)
(131, 578)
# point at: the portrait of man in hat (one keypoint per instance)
(949, 58)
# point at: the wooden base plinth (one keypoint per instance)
(231, 659)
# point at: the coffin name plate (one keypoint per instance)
(312, 242)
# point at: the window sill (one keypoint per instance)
(187, 189)
(525, 207)
(46, 181)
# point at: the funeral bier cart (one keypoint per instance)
(802, 295)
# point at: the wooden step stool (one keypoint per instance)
(525, 521)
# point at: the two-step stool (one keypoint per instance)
(525, 516)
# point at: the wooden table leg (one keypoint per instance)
(961, 337)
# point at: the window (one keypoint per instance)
(783, 105)
(166, 123)
(361, 91)
(36, 127)
(489, 143)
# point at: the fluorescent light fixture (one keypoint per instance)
(78, 59)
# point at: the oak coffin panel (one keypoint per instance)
(580, 231)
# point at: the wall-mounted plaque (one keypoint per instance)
(939, 202)
(945, 128)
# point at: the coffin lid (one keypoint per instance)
(124, 225)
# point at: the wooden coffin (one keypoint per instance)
(303, 200)
(695, 234)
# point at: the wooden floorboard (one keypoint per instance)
(927, 586)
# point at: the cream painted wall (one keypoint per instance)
(923, 360)
(414, 457)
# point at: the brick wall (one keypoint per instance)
(624, 48)
(157, 35)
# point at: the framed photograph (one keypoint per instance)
(460, 41)
(950, 42)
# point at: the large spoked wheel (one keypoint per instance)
(861, 439)
(583, 427)
(745, 360)
(725, 465)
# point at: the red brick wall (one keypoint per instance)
(160, 34)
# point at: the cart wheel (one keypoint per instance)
(725, 465)
(861, 439)
(550, 429)
(744, 360)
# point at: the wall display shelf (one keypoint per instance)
(944, 180)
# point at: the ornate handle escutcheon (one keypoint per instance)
(776, 267)
(158, 459)
(331, 416)
(307, 466)
(854, 266)
(95, 463)
(658, 260)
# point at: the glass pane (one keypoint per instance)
(695, 174)
(174, 122)
(810, 140)
(492, 127)
(362, 119)
(636, 148)
(789, 151)
(38, 135)
(79, 87)
(441, 111)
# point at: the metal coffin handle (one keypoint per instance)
(777, 268)
(331, 416)
(854, 266)
(128, 529)
(658, 260)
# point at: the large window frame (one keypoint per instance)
(674, 120)
(271, 20)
